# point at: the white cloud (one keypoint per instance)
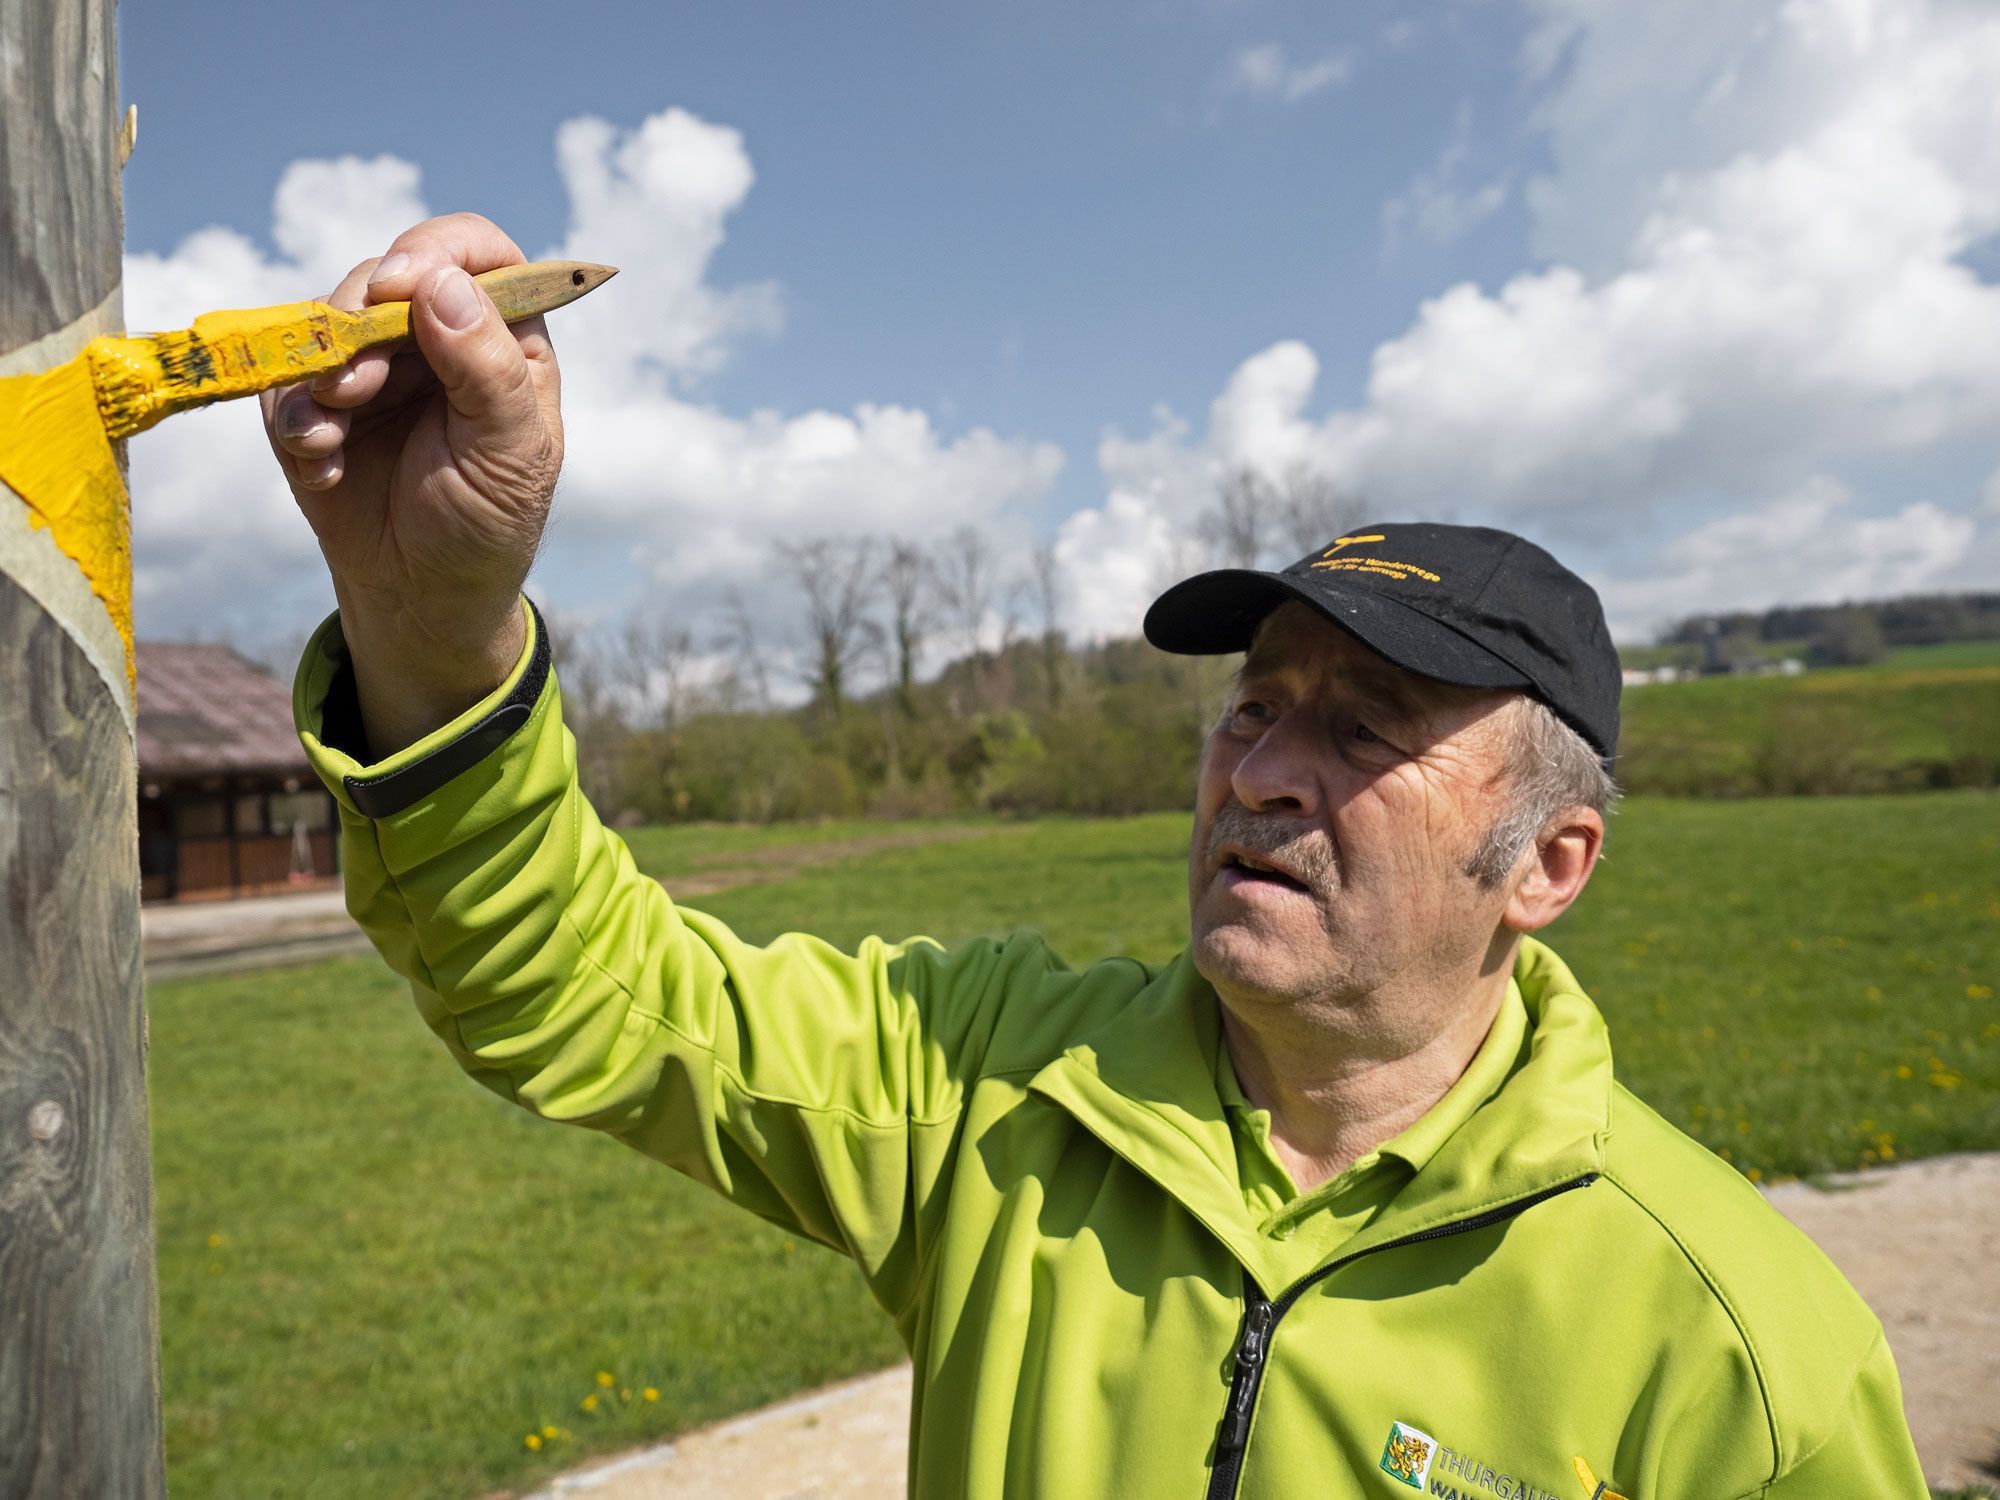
(1751, 241)
(1265, 72)
(1793, 296)
(1807, 547)
(1438, 204)
(656, 476)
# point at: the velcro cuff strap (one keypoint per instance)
(405, 779)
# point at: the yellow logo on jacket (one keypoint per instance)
(1408, 1454)
(1598, 1489)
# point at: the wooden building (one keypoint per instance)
(228, 805)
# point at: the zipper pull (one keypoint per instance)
(1251, 1353)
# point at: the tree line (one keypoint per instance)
(831, 712)
(1835, 635)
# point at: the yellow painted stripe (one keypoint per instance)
(54, 454)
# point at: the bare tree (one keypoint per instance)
(1240, 525)
(834, 575)
(590, 709)
(1313, 509)
(907, 585)
(738, 642)
(968, 582)
(649, 659)
(1045, 592)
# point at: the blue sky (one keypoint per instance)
(1051, 223)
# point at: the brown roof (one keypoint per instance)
(204, 708)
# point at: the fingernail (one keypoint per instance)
(455, 299)
(326, 385)
(389, 265)
(314, 472)
(298, 416)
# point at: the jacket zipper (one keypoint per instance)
(1260, 1323)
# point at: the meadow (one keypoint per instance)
(1923, 717)
(378, 1279)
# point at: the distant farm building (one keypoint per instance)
(228, 805)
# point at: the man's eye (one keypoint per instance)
(1253, 711)
(1366, 735)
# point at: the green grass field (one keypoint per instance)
(378, 1279)
(1928, 716)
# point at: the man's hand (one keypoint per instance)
(426, 472)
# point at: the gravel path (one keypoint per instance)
(1920, 1241)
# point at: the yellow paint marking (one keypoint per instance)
(55, 456)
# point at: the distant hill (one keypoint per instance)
(1855, 633)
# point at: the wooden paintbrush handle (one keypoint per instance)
(518, 292)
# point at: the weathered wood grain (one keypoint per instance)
(79, 1377)
(62, 232)
(79, 1360)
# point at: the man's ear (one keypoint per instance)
(1555, 869)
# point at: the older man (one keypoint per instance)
(1342, 1202)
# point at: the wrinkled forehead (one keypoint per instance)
(1298, 643)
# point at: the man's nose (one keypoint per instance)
(1280, 772)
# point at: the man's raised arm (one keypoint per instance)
(817, 1088)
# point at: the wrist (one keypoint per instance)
(413, 675)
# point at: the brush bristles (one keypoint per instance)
(140, 380)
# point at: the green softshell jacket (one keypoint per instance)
(1034, 1171)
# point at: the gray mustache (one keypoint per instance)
(1305, 852)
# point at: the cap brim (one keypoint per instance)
(1214, 613)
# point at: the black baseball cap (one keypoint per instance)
(1462, 604)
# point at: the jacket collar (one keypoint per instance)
(1144, 1083)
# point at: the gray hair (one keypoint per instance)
(1549, 767)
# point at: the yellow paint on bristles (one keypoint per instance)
(57, 427)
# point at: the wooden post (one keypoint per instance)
(79, 1342)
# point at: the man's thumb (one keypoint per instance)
(473, 353)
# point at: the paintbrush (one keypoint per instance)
(142, 378)
(57, 426)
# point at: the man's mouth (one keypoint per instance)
(1246, 869)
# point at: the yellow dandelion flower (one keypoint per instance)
(650, 1394)
(1756, 1174)
(551, 1432)
(1742, 1127)
(606, 1379)
(215, 1242)
(625, 1393)
(589, 1403)
(532, 1441)
(1903, 1070)
(1979, 992)
(1874, 993)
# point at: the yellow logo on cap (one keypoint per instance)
(1350, 541)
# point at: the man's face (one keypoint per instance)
(1365, 789)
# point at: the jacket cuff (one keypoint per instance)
(327, 714)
